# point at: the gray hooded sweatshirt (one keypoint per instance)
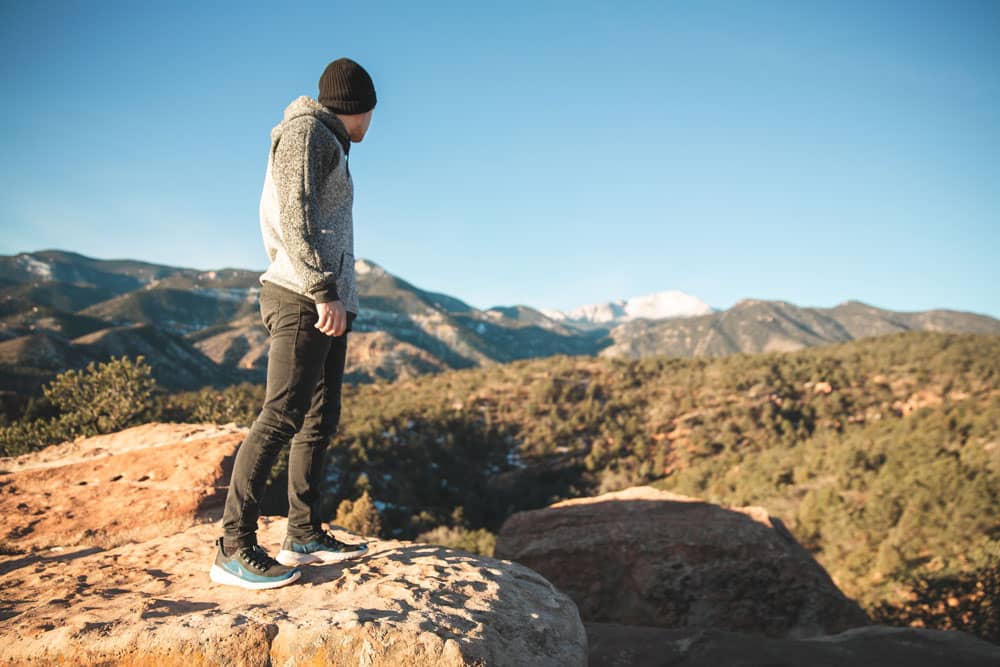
(306, 205)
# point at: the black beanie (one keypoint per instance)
(345, 87)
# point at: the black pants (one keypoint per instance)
(305, 370)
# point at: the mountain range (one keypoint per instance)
(60, 310)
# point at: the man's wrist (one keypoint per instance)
(324, 293)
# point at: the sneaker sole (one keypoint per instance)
(220, 576)
(286, 557)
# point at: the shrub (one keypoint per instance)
(102, 398)
(239, 403)
(479, 541)
(359, 516)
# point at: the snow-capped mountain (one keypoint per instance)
(655, 306)
(660, 305)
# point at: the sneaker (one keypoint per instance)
(324, 548)
(250, 567)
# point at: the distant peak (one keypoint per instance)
(853, 302)
(363, 265)
(671, 303)
(654, 306)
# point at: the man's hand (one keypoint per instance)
(332, 318)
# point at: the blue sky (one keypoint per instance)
(546, 153)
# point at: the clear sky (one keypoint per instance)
(546, 153)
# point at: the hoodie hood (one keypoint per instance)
(304, 105)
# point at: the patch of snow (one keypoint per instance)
(611, 311)
(666, 304)
(514, 458)
(235, 294)
(36, 267)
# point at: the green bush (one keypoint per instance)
(102, 398)
(479, 541)
(239, 403)
(359, 516)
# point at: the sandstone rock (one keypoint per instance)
(613, 645)
(647, 557)
(406, 604)
(129, 485)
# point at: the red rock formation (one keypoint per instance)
(405, 604)
(114, 571)
(654, 558)
(124, 486)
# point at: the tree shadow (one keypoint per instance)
(30, 559)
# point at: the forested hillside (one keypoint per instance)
(881, 455)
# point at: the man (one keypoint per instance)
(308, 302)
